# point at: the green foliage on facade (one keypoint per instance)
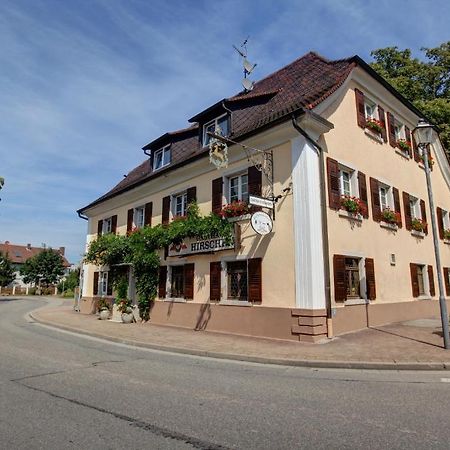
(46, 267)
(426, 84)
(7, 274)
(140, 250)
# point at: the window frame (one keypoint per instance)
(373, 106)
(173, 204)
(107, 225)
(240, 195)
(401, 134)
(421, 278)
(170, 281)
(205, 137)
(135, 215)
(445, 219)
(414, 204)
(389, 196)
(103, 283)
(353, 181)
(163, 151)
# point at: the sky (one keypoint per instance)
(85, 84)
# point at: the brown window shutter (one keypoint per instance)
(363, 192)
(255, 280)
(415, 150)
(408, 140)
(424, 214)
(382, 119)
(109, 285)
(340, 281)
(189, 281)
(414, 280)
(431, 281)
(391, 129)
(370, 279)
(215, 273)
(217, 194)
(447, 281)
(254, 184)
(99, 227)
(376, 206)
(407, 208)
(162, 281)
(130, 220)
(334, 193)
(440, 222)
(191, 195)
(95, 290)
(397, 206)
(114, 224)
(165, 210)
(148, 211)
(360, 111)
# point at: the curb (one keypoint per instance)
(318, 364)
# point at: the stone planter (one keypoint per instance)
(104, 314)
(128, 317)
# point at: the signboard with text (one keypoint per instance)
(259, 201)
(194, 246)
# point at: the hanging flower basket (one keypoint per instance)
(390, 216)
(404, 145)
(235, 209)
(375, 125)
(353, 205)
(418, 225)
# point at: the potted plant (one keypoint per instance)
(353, 205)
(123, 303)
(103, 309)
(404, 145)
(418, 225)
(235, 209)
(374, 125)
(390, 216)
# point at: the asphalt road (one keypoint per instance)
(59, 390)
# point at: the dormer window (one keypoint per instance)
(161, 157)
(219, 122)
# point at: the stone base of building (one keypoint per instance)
(295, 324)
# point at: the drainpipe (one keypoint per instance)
(324, 223)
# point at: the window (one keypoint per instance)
(238, 188)
(420, 278)
(103, 283)
(177, 282)
(161, 158)
(107, 225)
(179, 203)
(414, 204)
(446, 220)
(352, 277)
(386, 197)
(399, 130)
(370, 109)
(237, 280)
(138, 216)
(345, 183)
(218, 126)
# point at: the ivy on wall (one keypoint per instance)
(140, 248)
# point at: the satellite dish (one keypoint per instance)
(248, 85)
(248, 66)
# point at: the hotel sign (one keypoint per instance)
(194, 246)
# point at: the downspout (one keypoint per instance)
(326, 247)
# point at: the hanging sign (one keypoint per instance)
(260, 201)
(261, 223)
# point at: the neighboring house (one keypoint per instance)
(321, 266)
(18, 254)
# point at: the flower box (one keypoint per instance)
(390, 216)
(353, 205)
(418, 225)
(235, 209)
(404, 145)
(375, 125)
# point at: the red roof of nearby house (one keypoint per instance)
(18, 254)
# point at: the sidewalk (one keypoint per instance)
(414, 345)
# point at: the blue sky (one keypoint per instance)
(85, 84)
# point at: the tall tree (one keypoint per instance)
(47, 266)
(7, 274)
(426, 83)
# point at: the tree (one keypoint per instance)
(7, 274)
(71, 282)
(46, 267)
(426, 84)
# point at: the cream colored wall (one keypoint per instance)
(276, 249)
(348, 144)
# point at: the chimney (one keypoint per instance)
(62, 250)
(28, 246)
(6, 242)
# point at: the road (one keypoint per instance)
(59, 390)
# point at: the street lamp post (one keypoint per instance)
(425, 136)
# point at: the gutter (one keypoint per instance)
(82, 216)
(323, 207)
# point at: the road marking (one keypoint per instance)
(445, 380)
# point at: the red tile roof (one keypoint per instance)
(18, 254)
(298, 86)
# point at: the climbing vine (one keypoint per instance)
(140, 247)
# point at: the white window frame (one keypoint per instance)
(168, 296)
(445, 219)
(165, 161)
(353, 180)
(107, 225)
(399, 130)
(239, 176)
(389, 196)
(224, 281)
(139, 216)
(103, 284)
(425, 280)
(215, 122)
(173, 202)
(368, 103)
(414, 203)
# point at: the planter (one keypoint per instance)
(104, 314)
(128, 317)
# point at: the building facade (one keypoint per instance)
(350, 245)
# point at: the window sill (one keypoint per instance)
(373, 135)
(424, 297)
(419, 234)
(175, 300)
(235, 303)
(402, 154)
(350, 216)
(389, 226)
(356, 301)
(239, 218)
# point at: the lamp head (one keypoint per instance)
(424, 133)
